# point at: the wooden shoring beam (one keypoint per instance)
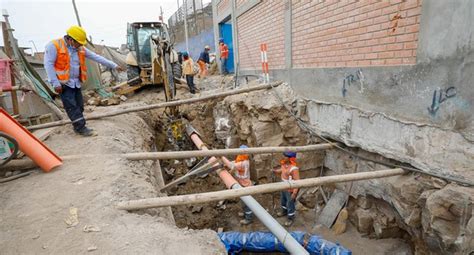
(253, 190)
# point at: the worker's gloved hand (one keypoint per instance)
(293, 195)
(58, 89)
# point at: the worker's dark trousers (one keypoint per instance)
(190, 82)
(248, 214)
(223, 66)
(74, 106)
(288, 204)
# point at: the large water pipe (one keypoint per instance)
(281, 234)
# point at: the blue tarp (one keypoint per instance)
(236, 242)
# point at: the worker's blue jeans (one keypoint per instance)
(223, 66)
(190, 82)
(288, 204)
(74, 106)
(248, 214)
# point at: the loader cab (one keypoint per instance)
(138, 39)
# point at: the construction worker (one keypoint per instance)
(203, 61)
(188, 71)
(224, 55)
(241, 170)
(289, 171)
(65, 64)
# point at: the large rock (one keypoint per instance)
(446, 213)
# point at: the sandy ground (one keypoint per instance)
(34, 209)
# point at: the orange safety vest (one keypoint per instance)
(289, 172)
(224, 51)
(242, 173)
(62, 64)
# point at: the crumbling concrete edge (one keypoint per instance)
(371, 113)
(430, 148)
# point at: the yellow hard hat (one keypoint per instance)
(78, 33)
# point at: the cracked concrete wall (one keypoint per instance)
(420, 114)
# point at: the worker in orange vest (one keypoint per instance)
(65, 64)
(289, 171)
(203, 61)
(241, 170)
(224, 55)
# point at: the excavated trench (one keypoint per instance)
(386, 216)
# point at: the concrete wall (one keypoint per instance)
(405, 93)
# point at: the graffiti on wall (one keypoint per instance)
(353, 79)
(440, 96)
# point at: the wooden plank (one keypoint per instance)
(162, 105)
(253, 190)
(332, 208)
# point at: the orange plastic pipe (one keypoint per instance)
(45, 158)
(225, 176)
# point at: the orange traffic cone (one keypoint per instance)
(29, 144)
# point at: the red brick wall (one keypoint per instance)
(264, 23)
(354, 33)
(239, 3)
(222, 6)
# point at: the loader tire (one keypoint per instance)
(132, 73)
(177, 70)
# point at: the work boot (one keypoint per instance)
(281, 213)
(241, 214)
(86, 132)
(245, 222)
(289, 222)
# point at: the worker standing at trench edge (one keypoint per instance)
(289, 171)
(65, 64)
(188, 71)
(224, 55)
(203, 61)
(241, 170)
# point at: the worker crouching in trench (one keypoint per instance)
(289, 171)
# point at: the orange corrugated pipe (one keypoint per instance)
(226, 177)
(45, 158)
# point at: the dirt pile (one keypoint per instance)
(34, 208)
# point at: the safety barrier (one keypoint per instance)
(263, 51)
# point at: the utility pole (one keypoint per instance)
(161, 15)
(195, 20)
(77, 14)
(185, 7)
(203, 17)
(7, 42)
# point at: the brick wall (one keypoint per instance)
(239, 3)
(222, 6)
(347, 33)
(262, 24)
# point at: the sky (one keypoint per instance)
(40, 21)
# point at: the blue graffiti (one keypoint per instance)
(439, 96)
(350, 79)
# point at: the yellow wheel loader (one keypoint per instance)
(152, 59)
